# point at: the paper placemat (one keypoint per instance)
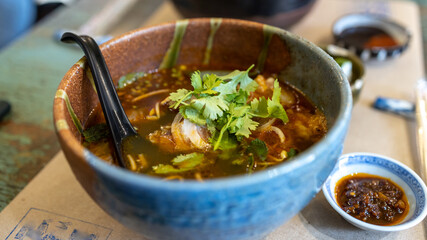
(55, 206)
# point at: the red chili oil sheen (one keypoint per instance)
(367, 37)
(372, 199)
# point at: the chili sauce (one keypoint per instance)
(372, 199)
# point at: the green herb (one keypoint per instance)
(96, 133)
(251, 164)
(292, 152)
(129, 78)
(238, 161)
(221, 104)
(258, 148)
(181, 163)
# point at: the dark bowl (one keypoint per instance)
(279, 13)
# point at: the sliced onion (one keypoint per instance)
(146, 95)
(204, 133)
(180, 143)
(279, 133)
(190, 131)
(266, 125)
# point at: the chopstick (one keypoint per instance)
(417, 111)
(421, 118)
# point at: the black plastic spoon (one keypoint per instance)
(122, 131)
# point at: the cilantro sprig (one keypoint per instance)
(181, 163)
(221, 104)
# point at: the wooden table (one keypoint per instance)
(31, 69)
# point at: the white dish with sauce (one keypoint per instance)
(412, 185)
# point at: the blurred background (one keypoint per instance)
(19, 16)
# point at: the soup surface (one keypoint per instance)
(209, 124)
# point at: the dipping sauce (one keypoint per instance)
(367, 37)
(372, 199)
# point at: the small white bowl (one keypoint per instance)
(408, 180)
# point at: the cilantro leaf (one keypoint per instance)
(192, 114)
(166, 169)
(227, 142)
(235, 78)
(244, 126)
(221, 104)
(292, 152)
(275, 109)
(180, 96)
(259, 107)
(258, 148)
(240, 97)
(212, 107)
(196, 82)
(182, 163)
(238, 111)
(129, 78)
(190, 160)
(271, 108)
(210, 81)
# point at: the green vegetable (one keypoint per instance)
(258, 148)
(251, 164)
(181, 163)
(221, 104)
(129, 78)
(346, 66)
(292, 152)
(96, 133)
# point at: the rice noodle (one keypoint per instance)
(174, 177)
(283, 156)
(269, 157)
(157, 109)
(267, 163)
(203, 133)
(131, 162)
(151, 117)
(165, 100)
(160, 91)
(198, 177)
(142, 161)
(279, 133)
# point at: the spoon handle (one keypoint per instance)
(113, 111)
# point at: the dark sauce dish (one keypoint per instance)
(368, 185)
(371, 36)
(279, 13)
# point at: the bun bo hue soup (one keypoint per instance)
(209, 124)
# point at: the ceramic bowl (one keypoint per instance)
(239, 207)
(408, 180)
(350, 22)
(356, 79)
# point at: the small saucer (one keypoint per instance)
(371, 36)
(408, 180)
(357, 69)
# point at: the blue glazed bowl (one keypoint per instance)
(414, 188)
(239, 207)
